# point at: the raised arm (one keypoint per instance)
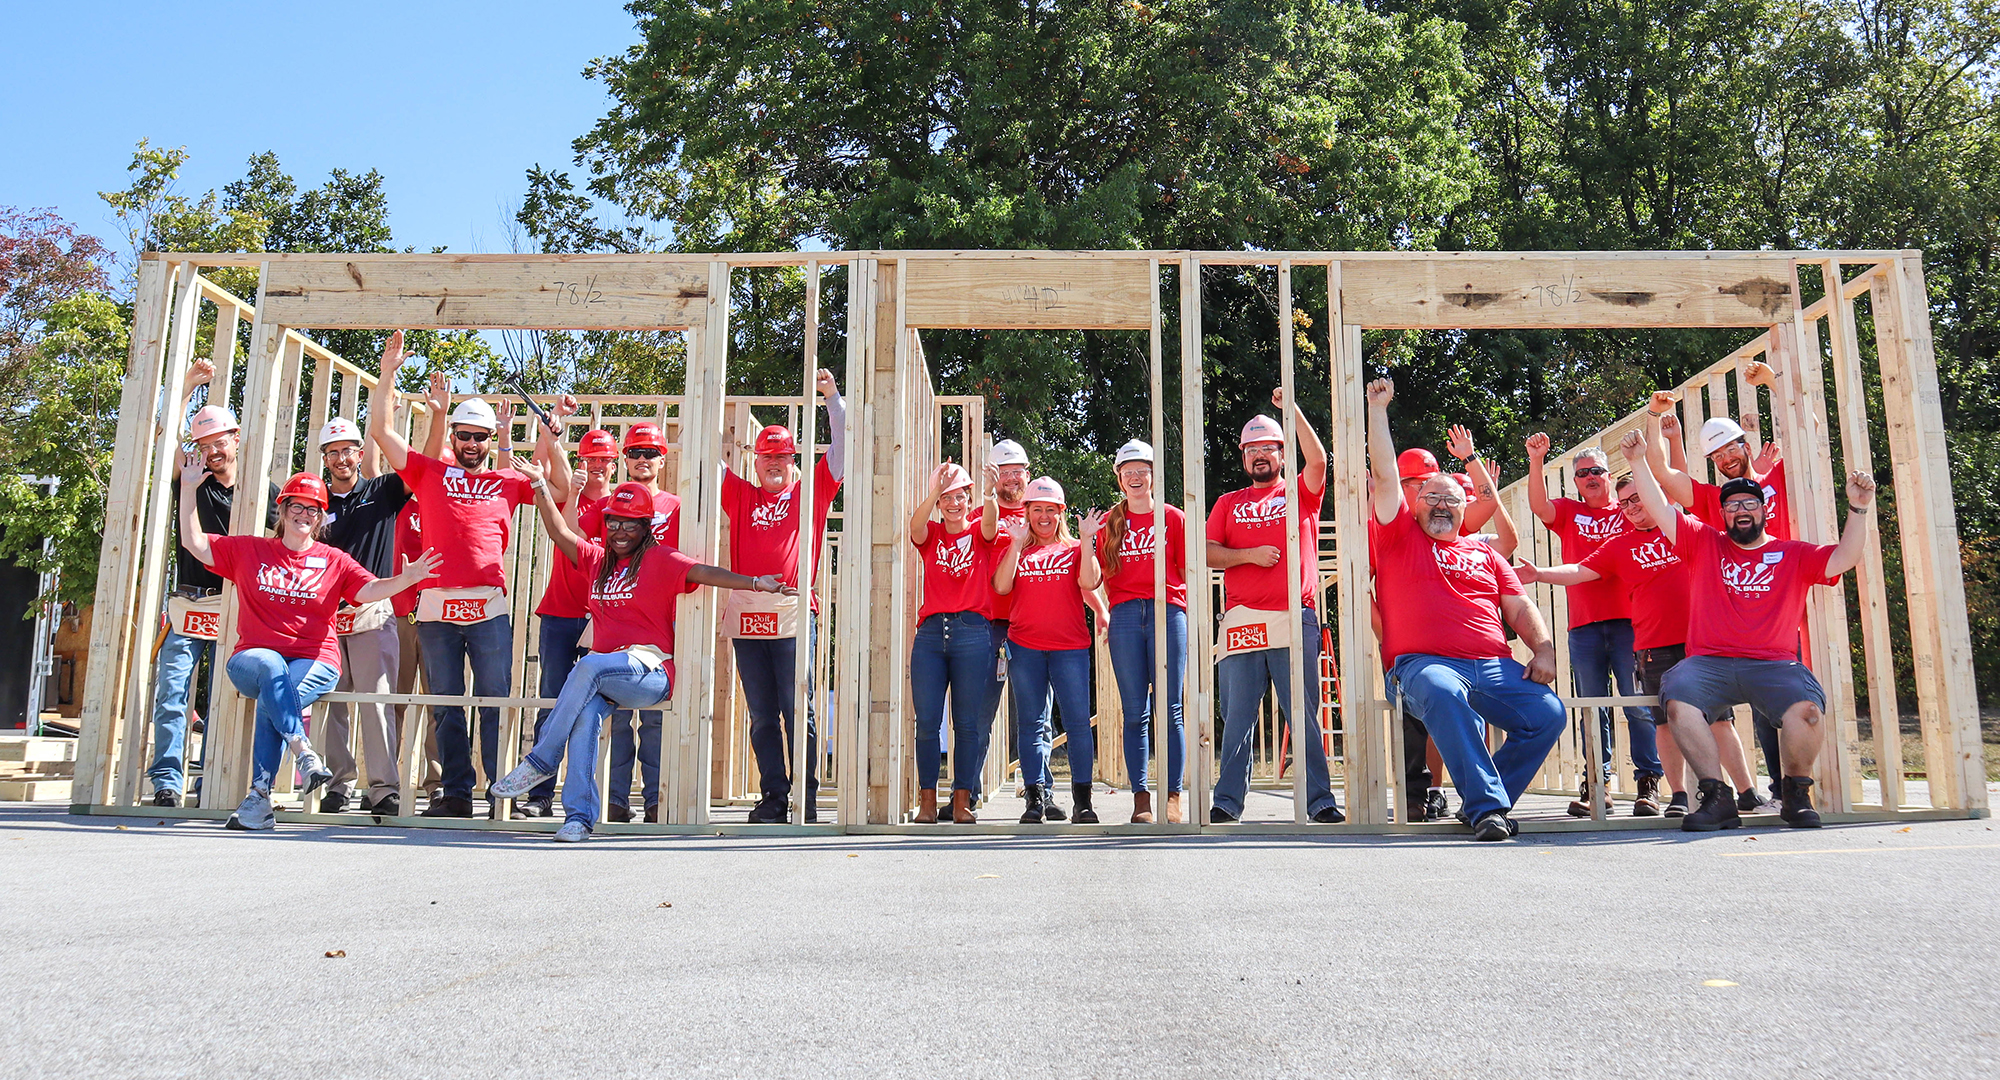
(560, 530)
(1526, 619)
(1388, 497)
(413, 573)
(718, 578)
(1853, 535)
(1538, 483)
(1504, 531)
(1673, 479)
(836, 419)
(1650, 494)
(1090, 573)
(554, 456)
(1566, 574)
(920, 518)
(989, 518)
(1310, 448)
(1461, 447)
(193, 538)
(1003, 575)
(198, 374)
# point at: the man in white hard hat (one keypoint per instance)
(462, 614)
(194, 606)
(1007, 481)
(1246, 541)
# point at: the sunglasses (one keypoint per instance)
(1592, 471)
(472, 436)
(625, 524)
(643, 453)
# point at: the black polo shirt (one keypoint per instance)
(363, 521)
(212, 503)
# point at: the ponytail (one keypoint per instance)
(1114, 536)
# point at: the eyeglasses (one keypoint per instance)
(341, 452)
(1632, 501)
(1264, 449)
(472, 436)
(1592, 471)
(1442, 500)
(1745, 503)
(304, 509)
(625, 524)
(643, 453)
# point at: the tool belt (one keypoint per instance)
(463, 607)
(360, 620)
(195, 618)
(1248, 629)
(760, 616)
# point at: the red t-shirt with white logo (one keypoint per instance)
(1747, 603)
(567, 589)
(285, 599)
(1646, 567)
(1777, 517)
(1134, 577)
(409, 544)
(627, 610)
(1440, 598)
(763, 534)
(467, 518)
(1255, 517)
(1583, 529)
(666, 519)
(958, 571)
(1049, 614)
(1000, 606)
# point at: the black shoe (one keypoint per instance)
(1050, 811)
(448, 806)
(770, 810)
(1798, 809)
(389, 805)
(333, 802)
(1748, 801)
(1494, 825)
(1678, 805)
(1218, 816)
(1084, 814)
(534, 806)
(166, 798)
(1033, 815)
(1435, 806)
(1329, 815)
(652, 815)
(623, 814)
(1717, 809)
(812, 810)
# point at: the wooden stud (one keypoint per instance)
(524, 293)
(1537, 291)
(1295, 668)
(802, 669)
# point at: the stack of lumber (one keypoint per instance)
(36, 769)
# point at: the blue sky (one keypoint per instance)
(451, 100)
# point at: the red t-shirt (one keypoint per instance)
(285, 599)
(958, 571)
(626, 611)
(763, 534)
(1747, 603)
(1255, 517)
(467, 518)
(666, 519)
(1134, 579)
(1050, 612)
(1646, 567)
(1440, 599)
(567, 590)
(1583, 529)
(1000, 606)
(409, 544)
(1777, 516)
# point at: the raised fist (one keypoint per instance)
(1538, 445)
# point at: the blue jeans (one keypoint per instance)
(559, 653)
(445, 647)
(597, 682)
(619, 779)
(173, 679)
(1456, 699)
(1131, 640)
(284, 688)
(1240, 682)
(1597, 652)
(953, 652)
(767, 669)
(1034, 673)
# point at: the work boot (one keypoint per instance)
(1749, 801)
(448, 806)
(1084, 814)
(1580, 806)
(622, 814)
(1647, 803)
(1416, 810)
(166, 797)
(961, 808)
(770, 810)
(1717, 809)
(926, 807)
(1678, 805)
(1142, 808)
(1032, 795)
(1798, 809)
(1050, 811)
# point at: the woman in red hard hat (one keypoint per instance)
(635, 585)
(288, 588)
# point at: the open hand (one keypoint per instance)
(422, 568)
(1528, 572)
(1089, 523)
(940, 476)
(526, 467)
(392, 357)
(192, 470)
(439, 397)
(1768, 458)
(1460, 443)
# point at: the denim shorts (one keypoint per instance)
(1714, 684)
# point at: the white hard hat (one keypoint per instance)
(956, 477)
(1718, 432)
(211, 420)
(1044, 490)
(1007, 452)
(474, 412)
(338, 429)
(1261, 429)
(1134, 451)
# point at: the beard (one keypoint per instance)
(470, 457)
(1263, 471)
(1440, 522)
(1746, 534)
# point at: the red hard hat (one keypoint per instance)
(645, 434)
(307, 487)
(597, 442)
(630, 499)
(1465, 482)
(776, 439)
(1416, 464)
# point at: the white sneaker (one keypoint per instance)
(254, 813)
(311, 767)
(518, 783)
(572, 832)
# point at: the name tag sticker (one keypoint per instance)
(454, 471)
(316, 562)
(1772, 558)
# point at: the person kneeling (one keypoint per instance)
(1442, 598)
(635, 585)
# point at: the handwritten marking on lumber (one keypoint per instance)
(578, 293)
(1545, 291)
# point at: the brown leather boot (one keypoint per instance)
(1580, 806)
(927, 807)
(1142, 808)
(1647, 802)
(961, 808)
(1174, 815)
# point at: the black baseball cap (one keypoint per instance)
(1742, 485)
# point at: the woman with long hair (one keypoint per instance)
(1049, 641)
(953, 652)
(288, 588)
(1125, 548)
(635, 585)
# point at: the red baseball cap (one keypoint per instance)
(630, 499)
(1416, 464)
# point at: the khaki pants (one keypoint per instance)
(408, 674)
(370, 663)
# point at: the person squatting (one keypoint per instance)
(1680, 589)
